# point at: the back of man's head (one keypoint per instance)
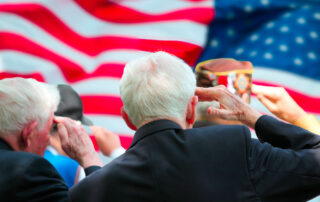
(156, 86)
(23, 101)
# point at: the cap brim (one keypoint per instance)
(86, 121)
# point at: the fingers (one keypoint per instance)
(209, 94)
(245, 97)
(272, 107)
(256, 89)
(63, 134)
(70, 125)
(76, 142)
(59, 119)
(223, 113)
(272, 93)
(203, 94)
(66, 122)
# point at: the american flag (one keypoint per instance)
(86, 43)
(280, 37)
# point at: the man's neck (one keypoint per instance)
(12, 141)
(181, 123)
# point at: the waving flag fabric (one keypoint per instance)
(280, 37)
(86, 43)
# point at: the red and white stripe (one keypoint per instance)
(87, 43)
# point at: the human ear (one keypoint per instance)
(26, 134)
(191, 111)
(127, 119)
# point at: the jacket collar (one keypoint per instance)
(4, 145)
(153, 127)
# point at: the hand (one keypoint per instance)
(279, 102)
(106, 140)
(232, 107)
(76, 142)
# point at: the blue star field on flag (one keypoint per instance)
(275, 34)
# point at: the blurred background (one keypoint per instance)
(86, 43)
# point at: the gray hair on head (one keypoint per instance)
(23, 101)
(156, 86)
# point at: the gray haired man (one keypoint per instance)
(168, 160)
(26, 118)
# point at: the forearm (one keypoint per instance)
(308, 122)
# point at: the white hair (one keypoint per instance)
(23, 101)
(156, 86)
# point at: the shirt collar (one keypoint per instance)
(153, 127)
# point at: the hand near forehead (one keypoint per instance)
(76, 142)
(232, 107)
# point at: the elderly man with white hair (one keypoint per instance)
(26, 118)
(168, 160)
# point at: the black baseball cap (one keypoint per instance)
(71, 105)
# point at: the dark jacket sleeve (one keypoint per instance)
(287, 168)
(91, 169)
(41, 182)
(280, 134)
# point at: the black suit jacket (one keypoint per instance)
(217, 163)
(29, 177)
